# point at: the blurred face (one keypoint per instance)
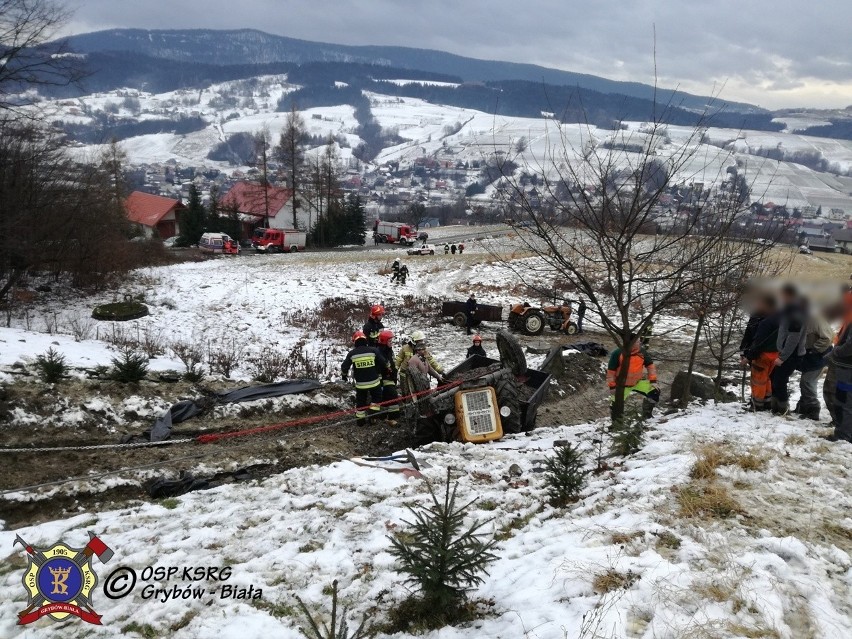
(477, 342)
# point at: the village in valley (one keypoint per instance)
(332, 341)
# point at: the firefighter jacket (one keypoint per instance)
(476, 350)
(390, 374)
(406, 353)
(637, 364)
(367, 366)
(372, 329)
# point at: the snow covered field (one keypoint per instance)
(779, 566)
(632, 559)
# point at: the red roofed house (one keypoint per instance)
(158, 216)
(271, 207)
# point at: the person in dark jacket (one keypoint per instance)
(581, 313)
(819, 339)
(841, 361)
(403, 274)
(374, 325)
(470, 312)
(453, 249)
(476, 349)
(791, 346)
(758, 350)
(368, 367)
(389, 378)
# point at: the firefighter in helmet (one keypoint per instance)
(476, 348)
(417, 341)
(374, 325)
(368, 368)
(389, 377)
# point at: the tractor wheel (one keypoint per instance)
(571, 329)
(460, 319)
(508, 395)
(511, 353)
(533, 323)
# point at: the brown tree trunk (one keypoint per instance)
(687, 394)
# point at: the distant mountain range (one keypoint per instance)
(246, 47)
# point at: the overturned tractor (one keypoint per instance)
(483, 399)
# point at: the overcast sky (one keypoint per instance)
(774, 53)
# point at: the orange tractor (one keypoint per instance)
(530, 320)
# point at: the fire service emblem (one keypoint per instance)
(59, 581)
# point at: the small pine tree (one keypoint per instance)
(129, 367)
(51, 366)
(564, 476)
(193, 219)
(442, 557)
(628, 434)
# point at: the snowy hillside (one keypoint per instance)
(457, 134)
(633, 558)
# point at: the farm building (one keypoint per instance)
(156, 215)
(260, 206)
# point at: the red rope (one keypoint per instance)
(212, 437)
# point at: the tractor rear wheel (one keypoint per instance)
(508, 396)
(511, 354)
(533, 323)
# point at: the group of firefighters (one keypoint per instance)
(788, 333)
(453, 248)
(382, 378)
(399, 272)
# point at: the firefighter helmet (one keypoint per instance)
(358, 336)
(418, 336)
(477, 339)
(385, 337)
(377, 310)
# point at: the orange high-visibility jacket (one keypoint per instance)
(637, 363)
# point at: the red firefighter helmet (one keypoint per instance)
(358, 335)
(385, 337)
(477, 339)
(377, 310)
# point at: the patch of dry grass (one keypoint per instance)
(795, 440)
(668, 540)
(711, 457)
(613, 580)
(624, 538)
(707, 499)
(753, 632)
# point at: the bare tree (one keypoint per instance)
(597, 223)
(28, 56)
(290, 152)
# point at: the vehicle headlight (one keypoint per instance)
(505, 411)
(449, 419)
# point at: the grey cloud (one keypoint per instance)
(765, 49)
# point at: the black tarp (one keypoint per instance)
(186, 409)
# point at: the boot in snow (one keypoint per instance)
(779, 407)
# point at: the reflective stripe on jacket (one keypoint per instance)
(367, 366)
